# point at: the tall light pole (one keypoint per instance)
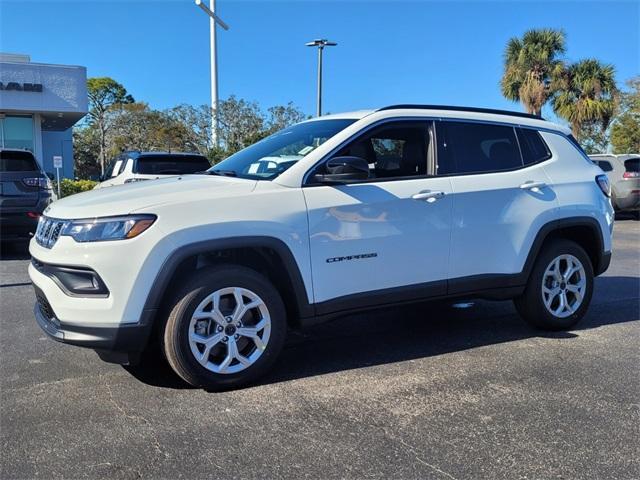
(320, 43)
(214, 20)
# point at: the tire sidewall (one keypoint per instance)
(532, 307)
(176, 337)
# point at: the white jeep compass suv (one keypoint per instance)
(330, 216)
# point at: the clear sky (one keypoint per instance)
(389, 51)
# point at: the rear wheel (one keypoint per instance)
(226, 328)
(559, 289)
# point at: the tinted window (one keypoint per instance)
(605, 166)
(632, 165)
(532, 145)
(17, 162)
(393, 150)
(171, 164)
(476, 148)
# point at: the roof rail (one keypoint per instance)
(456, 108)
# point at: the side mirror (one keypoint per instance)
(51, 176)
(344, 170)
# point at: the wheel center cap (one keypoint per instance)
(563, 285)
(230, 330)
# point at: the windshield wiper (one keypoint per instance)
(223, 173)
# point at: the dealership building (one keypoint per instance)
(39, 104)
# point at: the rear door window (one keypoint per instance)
(465, 147)
(17, 162)
(532, 146)
(171, 164)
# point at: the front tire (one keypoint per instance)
(225, 329)
(559, 289)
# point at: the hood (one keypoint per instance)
(127, 198)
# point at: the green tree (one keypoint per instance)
(587, 94)
(240, 123)
(104, 93)
(135, 126)
(593, 138)
(197, 122)
(531, 68)
(625, 131)
(85, 152)
(283, 116)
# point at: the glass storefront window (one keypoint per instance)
(17, 132)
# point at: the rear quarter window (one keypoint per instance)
(604, 165)
(532, 146)
(171, 165)
(18, 162)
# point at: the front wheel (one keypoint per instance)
(559, 289)
(226, 329)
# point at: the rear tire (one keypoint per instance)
(555, 298)
(225, 329)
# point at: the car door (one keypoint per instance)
(386, 239)
(500, 201)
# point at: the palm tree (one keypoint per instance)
(587, 95)
(531, 67)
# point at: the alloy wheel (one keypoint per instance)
(229, 330)
(564, 286)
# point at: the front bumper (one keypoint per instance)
(118, 344)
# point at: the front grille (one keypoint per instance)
(49, 230)
(45, 306)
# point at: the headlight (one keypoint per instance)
(108, 228)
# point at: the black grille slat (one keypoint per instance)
(48, 231)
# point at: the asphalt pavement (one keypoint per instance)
(426, 392)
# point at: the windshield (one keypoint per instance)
(270, 157)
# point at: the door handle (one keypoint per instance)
(427, 195)
(531, 185)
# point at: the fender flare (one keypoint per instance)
(170, 264)
(601, 262)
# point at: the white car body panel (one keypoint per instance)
(409, 237)
(573, 177)
(501, 218)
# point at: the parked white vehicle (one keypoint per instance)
(131, 167)
(624, 175)
(374, 209)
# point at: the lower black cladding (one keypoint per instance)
(117, 344)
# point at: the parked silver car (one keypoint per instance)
(624, 175)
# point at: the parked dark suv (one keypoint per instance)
(25, 191)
